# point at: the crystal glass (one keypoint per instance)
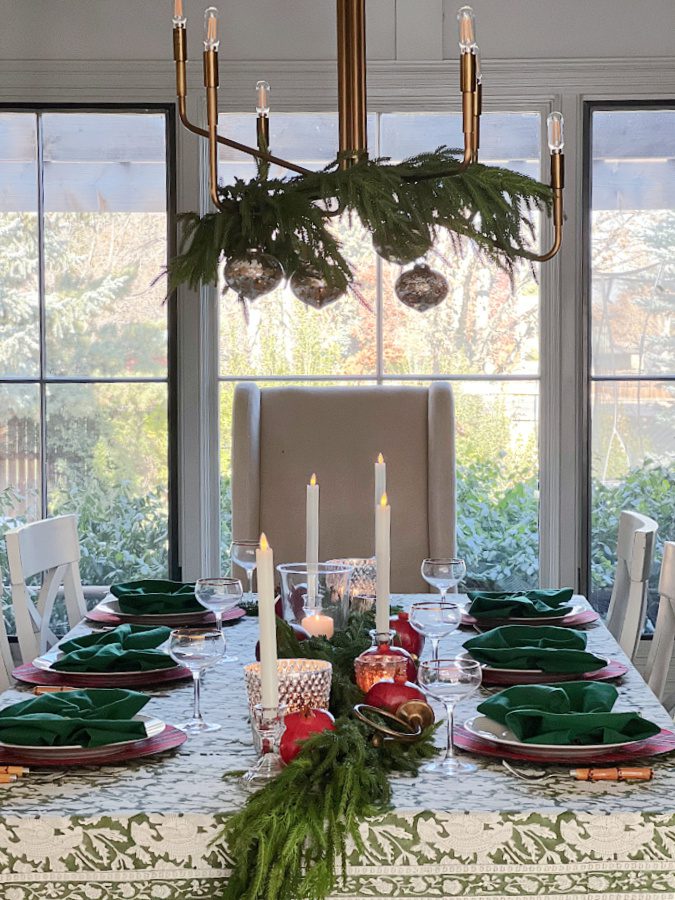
(364, 577)
(242, 554)
(302, 683)
(219, 595)
(449, 681)
(269, 727)
(316, 597)
(197, 649)
(443, 574)
(434, 619)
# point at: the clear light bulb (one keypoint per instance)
(262, 98)
(211, 41)
(479, 72)
(467, 29)
(179, 19)
(554, 125)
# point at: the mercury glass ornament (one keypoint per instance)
(309, 287)
(417, 246)
(421, 288)
(253, 274)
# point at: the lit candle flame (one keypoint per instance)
(312, 480)
(264, 544)
(178, 9)
(380, 458)
(384, 499)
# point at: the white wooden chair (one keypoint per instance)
(628, 605)
(6, 662)
(50, 547)
(661, 651)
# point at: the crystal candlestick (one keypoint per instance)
(269, 726)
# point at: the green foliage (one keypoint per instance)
(291, 218)
(287, 840)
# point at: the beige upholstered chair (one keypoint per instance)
(628, 606)
(282, 435)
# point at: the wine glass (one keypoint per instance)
(219, 595)
(243, 554)
(197, 649)
(434, 619)
(443, 573)
(449, 681)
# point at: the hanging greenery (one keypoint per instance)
(289, 842)
(403, 205)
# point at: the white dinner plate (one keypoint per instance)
(496, 733)
(46, 662)
(153, 727)
(111, 605)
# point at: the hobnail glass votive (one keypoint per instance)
(302, 683)
(363, 582)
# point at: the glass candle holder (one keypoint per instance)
(383, 655)
(302, 683)
(269, 727)
(310, 595)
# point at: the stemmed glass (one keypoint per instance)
(197, 649)
(243, 554)
(219, 595)
(435, 619)
(443, 574)
(449, 681)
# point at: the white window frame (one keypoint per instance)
(394, 86)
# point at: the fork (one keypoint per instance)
(529, 773)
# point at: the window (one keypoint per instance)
(484, 338)
(632, 268)
(84, 386)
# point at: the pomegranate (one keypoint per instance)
(301, 634)
(406, 636)
(299, 727)
(390, 694)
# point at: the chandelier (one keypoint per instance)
(403, 205)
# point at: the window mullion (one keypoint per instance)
(42, 312)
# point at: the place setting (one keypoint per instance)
(489, 609)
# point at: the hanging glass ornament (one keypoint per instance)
(309, 287)
(253, 274)
(418, 245)
(421, 288)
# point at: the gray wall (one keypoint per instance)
(305, 29)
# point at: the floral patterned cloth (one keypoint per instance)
(146, 829)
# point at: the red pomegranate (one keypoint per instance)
(299, 727)
(406, 636)
(301, 634)
(390, 694)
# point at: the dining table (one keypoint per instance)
(149, 828)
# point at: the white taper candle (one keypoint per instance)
(267, 625)
(312, 539)
(383, 563)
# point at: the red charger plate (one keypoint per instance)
(574, 620)
(614, 669)
(31, 675)
(106, 618)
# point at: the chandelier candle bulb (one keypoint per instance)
(467, 29)
(312, 538)
(262, 94)
(556, 140)
(318, 625)
(178, 14)
(267, 625)
(380, 478)
(383, 563)
(211, 41)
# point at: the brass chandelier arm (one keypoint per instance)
(557, 184)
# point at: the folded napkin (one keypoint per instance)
(527, 605)
(545, 647)
(574, 713)
(88, 718)
(155, 596)
(127, 648)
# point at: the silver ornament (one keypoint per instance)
(253, 274)
(421, 288)
(309, 287)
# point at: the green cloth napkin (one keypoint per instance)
(89, 718)
(128, 648)
(527, 605)
(545, 647)
(574, 713)
(154, 597)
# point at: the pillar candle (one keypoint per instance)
(267, 625)
(312, 539)
(383, 562)
(380, 478)
(318, 625)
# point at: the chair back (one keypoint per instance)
(661, 651)
(628, 605)
(50, 547)
(282, 435)
(6, 662)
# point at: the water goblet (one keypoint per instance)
(197, 649)
(435, 619)
(242, 554)
(219, 595)
(449, 681)
(443, 574)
